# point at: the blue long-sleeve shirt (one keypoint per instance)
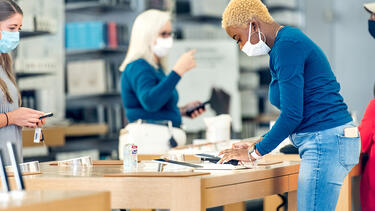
(148, 94)
(303, 87)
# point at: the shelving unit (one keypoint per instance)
(95, 7)
(28, 34)
(81, 101)
(88, 52)
(39, 58)
(31, 34)
(99, 108)
(21, 74)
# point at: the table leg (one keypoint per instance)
(241, 206)
(270, 203)
(292, 201)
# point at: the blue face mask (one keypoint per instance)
(9, 41)
(371, 28)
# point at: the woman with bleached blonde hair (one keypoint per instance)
(313, 112)
(147, 92)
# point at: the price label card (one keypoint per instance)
(37, 135)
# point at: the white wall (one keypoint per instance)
(341, 29)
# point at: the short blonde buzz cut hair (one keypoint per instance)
(239, 12)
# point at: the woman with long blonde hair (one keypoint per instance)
(147, 92)
(12, 116)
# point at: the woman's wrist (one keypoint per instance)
(254, 154)
(178, 71)
(10, 118)
(7, 117)
(183, 110)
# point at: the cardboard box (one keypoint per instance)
(87, 77)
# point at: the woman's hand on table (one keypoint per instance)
(26, 117)
(239, 151)
(234, 154)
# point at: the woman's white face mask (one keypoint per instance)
(261, 48)
(162, 46)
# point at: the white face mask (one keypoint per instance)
(162, 46)
(261, 48)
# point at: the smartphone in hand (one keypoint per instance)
(190, 111)
(46, 116)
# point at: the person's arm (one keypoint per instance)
(367, 128)
(22, 117)
(291, 102)
(153, 94)
(3, 120)
(290, 75)
(372, 16)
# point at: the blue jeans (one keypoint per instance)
(327, 157)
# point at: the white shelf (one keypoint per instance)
(96, 6)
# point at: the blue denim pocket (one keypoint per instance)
(349, 150)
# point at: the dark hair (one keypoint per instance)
(8, 8)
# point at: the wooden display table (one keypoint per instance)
(345, 199)
(177, 193)
(344, 202)
(85, 130)
(55, 136)
(55, 200)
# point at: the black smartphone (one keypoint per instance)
(190, 111)
(215, 159)
(165, 161)
(46, 116)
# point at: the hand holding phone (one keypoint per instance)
(190, 111)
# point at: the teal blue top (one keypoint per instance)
(303, 87)
(149, 94)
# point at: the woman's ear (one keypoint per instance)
(255, 26)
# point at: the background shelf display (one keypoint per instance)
(98, 7)
(28, 34)
(87, 52)
(30, 74)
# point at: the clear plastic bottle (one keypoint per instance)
(130, 157)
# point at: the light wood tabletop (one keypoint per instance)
(55, 200)
(191, 193)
